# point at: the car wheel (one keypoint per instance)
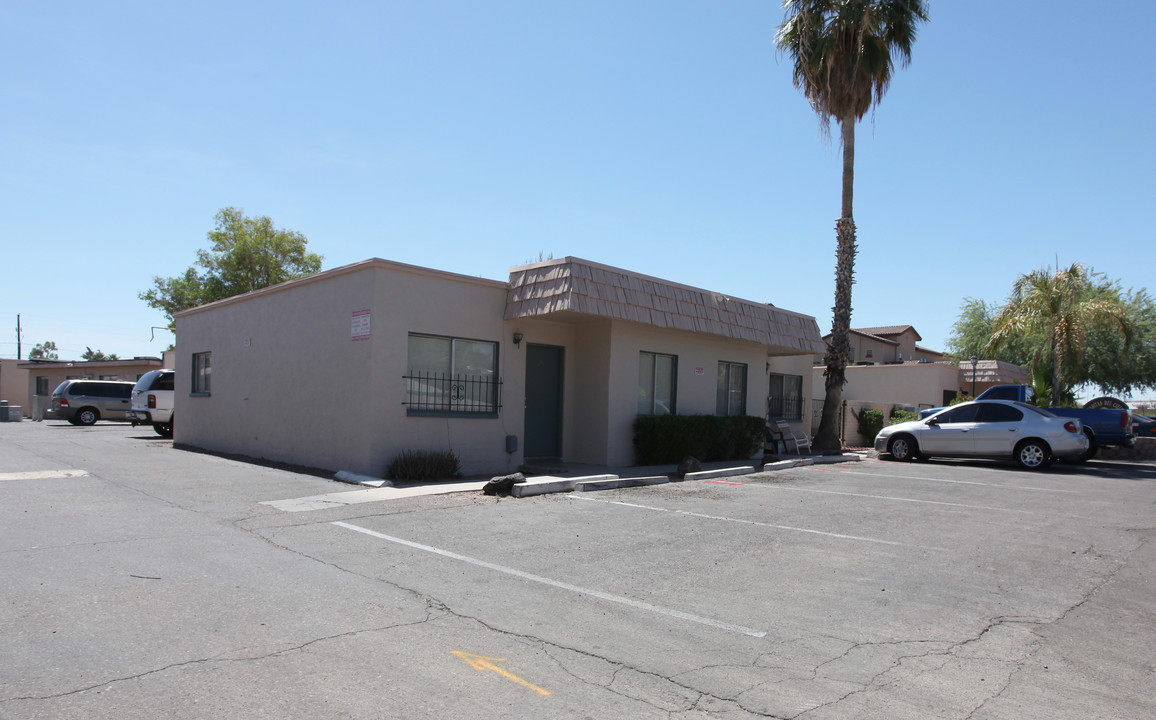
(1033, 454)
(165, 431)
(903, 448)
(87, 416)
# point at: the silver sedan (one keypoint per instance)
(999, 429)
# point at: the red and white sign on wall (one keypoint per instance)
(360, 325)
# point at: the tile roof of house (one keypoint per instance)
(573, 285)
(886, 330)
(889, 341)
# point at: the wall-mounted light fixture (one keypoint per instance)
(518, 339)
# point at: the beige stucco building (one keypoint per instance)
(42, 376)
(889, 368)
(345, 369)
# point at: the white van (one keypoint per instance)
(152, 401)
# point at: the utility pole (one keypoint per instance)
(18, 337)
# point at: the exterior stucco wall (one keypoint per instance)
(586, 346)
(797, 365)
(913, 384)
(696, 377)
(871, 350)
(289, 383)
(14, 384)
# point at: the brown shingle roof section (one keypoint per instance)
(579, 286)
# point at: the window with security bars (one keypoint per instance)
(452, 376)
(785, 397)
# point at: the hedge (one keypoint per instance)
(665, 439)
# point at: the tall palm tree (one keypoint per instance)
(844, 54)
(1063, 305)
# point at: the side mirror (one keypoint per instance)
(933, 421)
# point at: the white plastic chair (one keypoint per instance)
(800, 441)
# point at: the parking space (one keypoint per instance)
(870, 589)
(884, 561)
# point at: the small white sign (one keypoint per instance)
(700, 371)
(360, 325)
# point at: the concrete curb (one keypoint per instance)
(617, 482)
(544, 484)
(830, 459)
(812, 460)
(721, 472)
(355, 479)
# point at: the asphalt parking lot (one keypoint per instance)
(162, 581)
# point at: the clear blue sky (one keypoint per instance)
(661, 136)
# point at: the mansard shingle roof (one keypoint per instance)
(573, 285)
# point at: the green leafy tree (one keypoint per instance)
(1113, 363)
(44, 351)
(91, 355)
(844, 54)
(971, 336)
(246, 254)
(1063, 306)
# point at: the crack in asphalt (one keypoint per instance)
(224, 660)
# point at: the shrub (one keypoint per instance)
(424, 465)
(870, 423)
(666, 439)
(899, 415)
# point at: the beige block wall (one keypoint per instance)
(289, 383)
(917, 385)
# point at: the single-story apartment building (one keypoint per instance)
(347, 368)
(43, 376)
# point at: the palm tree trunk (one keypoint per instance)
(827, 440)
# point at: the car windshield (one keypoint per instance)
(60, 388)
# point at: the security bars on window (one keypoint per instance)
(431, 393)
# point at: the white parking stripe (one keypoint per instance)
(43, 475)
(688, 513)
(959, 482)
(562, 585)
(885, 497)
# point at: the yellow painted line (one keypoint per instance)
(479, 662)
(43, 475)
